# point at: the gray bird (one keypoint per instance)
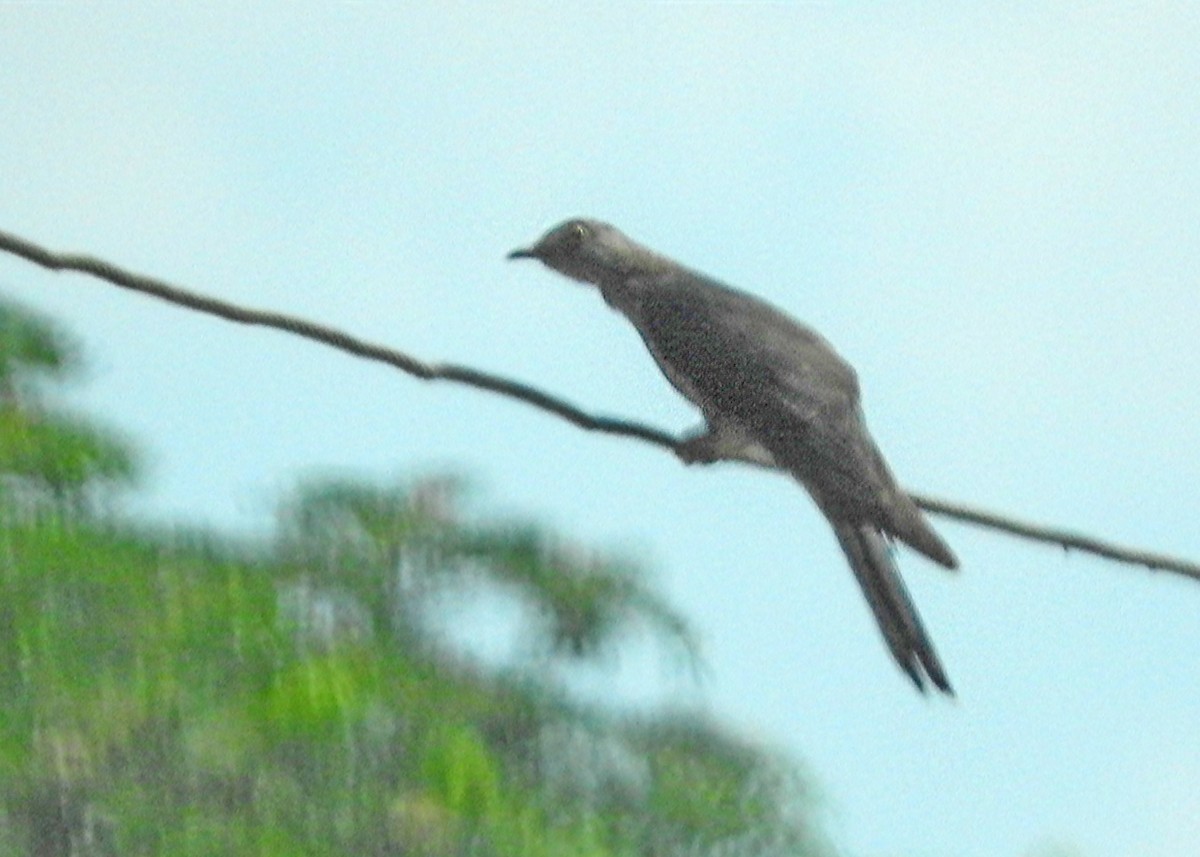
(769, 386)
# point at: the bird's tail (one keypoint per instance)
(909, 524)
(877, 574)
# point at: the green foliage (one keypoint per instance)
(47, 457)
(162, 695)
(461, 771)
(31, 346)
(61, 454)
(351, 536)
(711, 789)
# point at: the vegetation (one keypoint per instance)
(169, 694)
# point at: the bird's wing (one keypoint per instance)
(741, 360)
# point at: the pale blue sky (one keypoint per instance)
(992, 210)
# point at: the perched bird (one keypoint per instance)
(771, 386)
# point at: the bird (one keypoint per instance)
(772, 389)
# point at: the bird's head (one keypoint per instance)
(590, 251)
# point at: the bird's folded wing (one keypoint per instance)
(739, 359)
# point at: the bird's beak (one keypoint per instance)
(523, 253)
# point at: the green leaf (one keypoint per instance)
(462, 772)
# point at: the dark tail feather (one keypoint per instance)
(903, 632)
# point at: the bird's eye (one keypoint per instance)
(578, 232)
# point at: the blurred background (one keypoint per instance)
(992, 212)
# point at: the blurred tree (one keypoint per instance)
(183, 694)
(49, 456)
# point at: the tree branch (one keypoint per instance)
(523, 392)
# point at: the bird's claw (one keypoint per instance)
(698, 449)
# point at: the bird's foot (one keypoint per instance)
(706, 447)
(701, 448)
